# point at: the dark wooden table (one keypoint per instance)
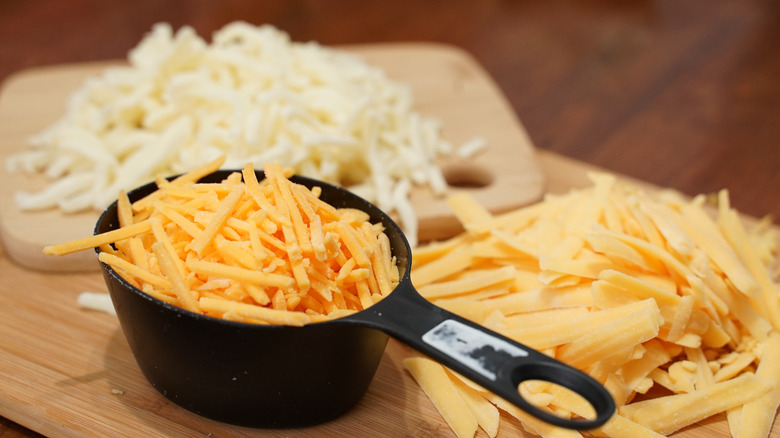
(678, 93)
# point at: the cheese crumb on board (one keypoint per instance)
(98, 301)
(252, 95)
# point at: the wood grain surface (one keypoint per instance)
(677, 93)
(68, 372)
(448, 84)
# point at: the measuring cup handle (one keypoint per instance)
(489, 359)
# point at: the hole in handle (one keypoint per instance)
(467, 175)
(590, 403)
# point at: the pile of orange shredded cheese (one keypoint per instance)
(674, 307)
(268, 252)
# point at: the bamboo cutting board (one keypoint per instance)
(66, 372)
(447, 84)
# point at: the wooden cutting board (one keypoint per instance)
(447, 83)
(66, 372)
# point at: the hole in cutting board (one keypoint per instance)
(467, 176)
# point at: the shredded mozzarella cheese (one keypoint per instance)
(472, 147)
(98, 301)
(252, 95)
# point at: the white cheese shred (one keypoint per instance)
(98, 301)
(252, 95)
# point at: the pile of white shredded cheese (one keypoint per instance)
(252, 94)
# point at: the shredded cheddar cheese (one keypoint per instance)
(639, 289)
(256, 251)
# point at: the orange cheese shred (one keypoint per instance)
(265, 252)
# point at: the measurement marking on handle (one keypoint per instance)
(478, 350)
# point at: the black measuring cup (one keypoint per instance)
(284, 376)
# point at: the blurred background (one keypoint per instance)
(683, 94)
